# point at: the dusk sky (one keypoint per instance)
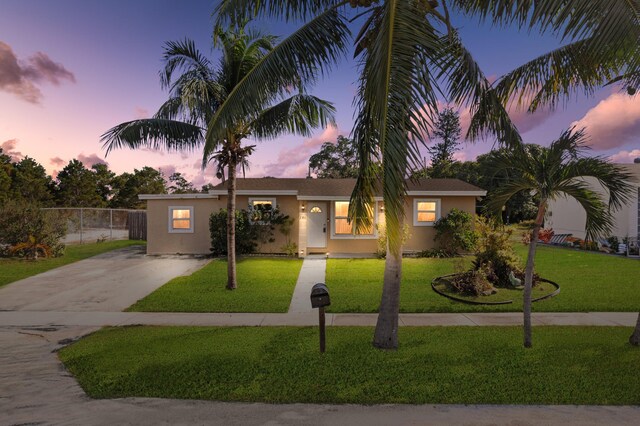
(72, 69)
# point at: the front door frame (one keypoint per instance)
(323, 223)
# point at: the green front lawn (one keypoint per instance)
(16, 269)
(264, 285)
(452, 365)
(588, 282)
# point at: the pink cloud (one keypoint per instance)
(140, 113)
(294, 162)
(57, 162)
(9, 148)
(167, 170)
(625, 156)
(613, 123)
(90, 160)
(20, 78)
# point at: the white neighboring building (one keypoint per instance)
(566, 216)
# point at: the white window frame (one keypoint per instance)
(253, 199)
(353, 235)
(416, 222)
(173, 230)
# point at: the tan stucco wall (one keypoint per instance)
(160, 241)
(422, 236)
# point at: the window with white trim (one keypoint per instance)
(425, 211)
(261, 206)
(180, 219)
(341, 226)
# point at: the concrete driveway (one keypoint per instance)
(108, 282)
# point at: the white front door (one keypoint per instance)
(317, 225)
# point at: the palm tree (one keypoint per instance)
(603, 47)
(197, 90)
(559, 171)
(407, 51)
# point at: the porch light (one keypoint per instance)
(382, 208)
(302, 207)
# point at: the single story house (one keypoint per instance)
(179, 223)
(566, 216)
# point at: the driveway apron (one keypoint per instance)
(108, 282)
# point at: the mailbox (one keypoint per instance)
(320, 296)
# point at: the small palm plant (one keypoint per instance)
(31, 248)
(559, 171)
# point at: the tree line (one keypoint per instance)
(77, 185)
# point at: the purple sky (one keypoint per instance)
(71, 69)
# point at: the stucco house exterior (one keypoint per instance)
(179, 223)
(566, 216)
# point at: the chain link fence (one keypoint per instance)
(90, 225)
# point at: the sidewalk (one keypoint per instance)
(98, 319)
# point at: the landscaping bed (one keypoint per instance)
(264, 285)
(451, 365)
(16, 269)
(590, 282)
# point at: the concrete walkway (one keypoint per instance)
(312, 272)
(97, 319)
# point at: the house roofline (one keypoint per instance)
(176, 196)
(447, 193)
(218, 192)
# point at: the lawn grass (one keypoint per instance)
(16, 269)
(588, 282)
(264, 285)
(452, 365)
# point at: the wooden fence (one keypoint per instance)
(137, 225)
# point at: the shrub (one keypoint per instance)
(253, 227)
(24, 226)
(290, 248)
(454, 232)
(494, 251)
(436, 253)
(381, 251)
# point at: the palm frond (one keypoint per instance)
(299, 115)
(296, 61)
(555, 75)
(155, 134)
(231, 11)
(394, 92)
(599, 218)
(467, 85)
(183, 55)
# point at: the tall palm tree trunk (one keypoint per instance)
(635, 337)
(386, 333)
(232, 283)
(528, 275)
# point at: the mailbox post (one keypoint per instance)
(320, 299)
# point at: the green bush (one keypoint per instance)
(381, 250)
(454, 232)
(494, 252)
(24, 226)
(435, 253)
(253, 227)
